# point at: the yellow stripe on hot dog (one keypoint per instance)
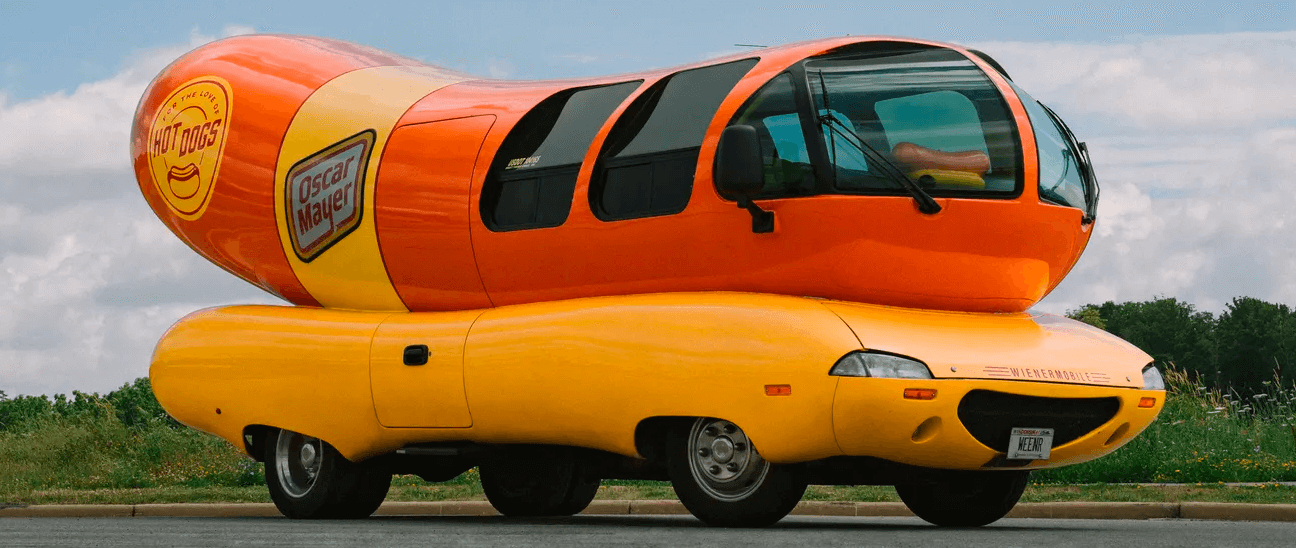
(349, 271)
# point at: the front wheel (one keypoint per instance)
(964, 499)
(309, 479)
(723, 481)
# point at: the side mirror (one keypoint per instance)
(739, 173)
(738, 162)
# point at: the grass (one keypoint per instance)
(100, 454)
(95, 449)
(1202, 436)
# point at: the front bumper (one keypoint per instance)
(872, 418)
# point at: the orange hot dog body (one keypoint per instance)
(417, 240)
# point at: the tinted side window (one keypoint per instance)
(647, 165)
(772, 111)
(532, 178)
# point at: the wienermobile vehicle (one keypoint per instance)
(806, 264)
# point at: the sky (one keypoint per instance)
(1187, 108)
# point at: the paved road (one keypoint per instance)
(630, 531)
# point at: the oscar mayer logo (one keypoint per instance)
(323, 194)
(185, 143)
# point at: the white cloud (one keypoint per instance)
(69, 133)
(90, 291)
(61, 147)
(1203, 81)
(237, 30)
(1194, 141)
(499, 68)
(89, 278)
(578, 58)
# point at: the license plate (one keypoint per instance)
(1030, 443)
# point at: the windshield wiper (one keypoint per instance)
(926, 204)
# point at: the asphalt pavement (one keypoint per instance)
(631, 530)
(1049, 510)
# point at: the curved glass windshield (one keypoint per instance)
(1065, 177)
(931, 116)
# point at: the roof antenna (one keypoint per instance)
(749, 46)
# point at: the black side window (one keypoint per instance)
(647, 164)
(532, 178)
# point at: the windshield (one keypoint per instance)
(932, 114)
(1064, 176)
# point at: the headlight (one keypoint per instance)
(876, 364)
(1152, 379)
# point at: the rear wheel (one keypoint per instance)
(538, 481)
(964, 499)
(309, 479)
(723, 481)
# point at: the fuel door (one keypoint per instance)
(416, 370)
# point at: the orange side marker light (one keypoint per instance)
(1147, 402)
(920, 393)
(778, 390)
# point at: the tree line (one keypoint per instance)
(1249, 346)
(133, 404)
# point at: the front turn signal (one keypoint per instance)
(920, 393)
(778, 390)
(1147, 402)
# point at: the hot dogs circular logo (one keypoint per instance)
(185, 143)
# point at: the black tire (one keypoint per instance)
(538, 482)
(723, 481)
(319, 483)
(964, 499)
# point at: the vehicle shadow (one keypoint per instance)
(658, 522)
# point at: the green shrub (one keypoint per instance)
(133, 404)
(122, 440)
(1202, 435)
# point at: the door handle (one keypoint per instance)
(417, 354)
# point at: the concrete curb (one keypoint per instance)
(1053, 510)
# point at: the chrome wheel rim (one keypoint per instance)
(723, 461)
(297, 461)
